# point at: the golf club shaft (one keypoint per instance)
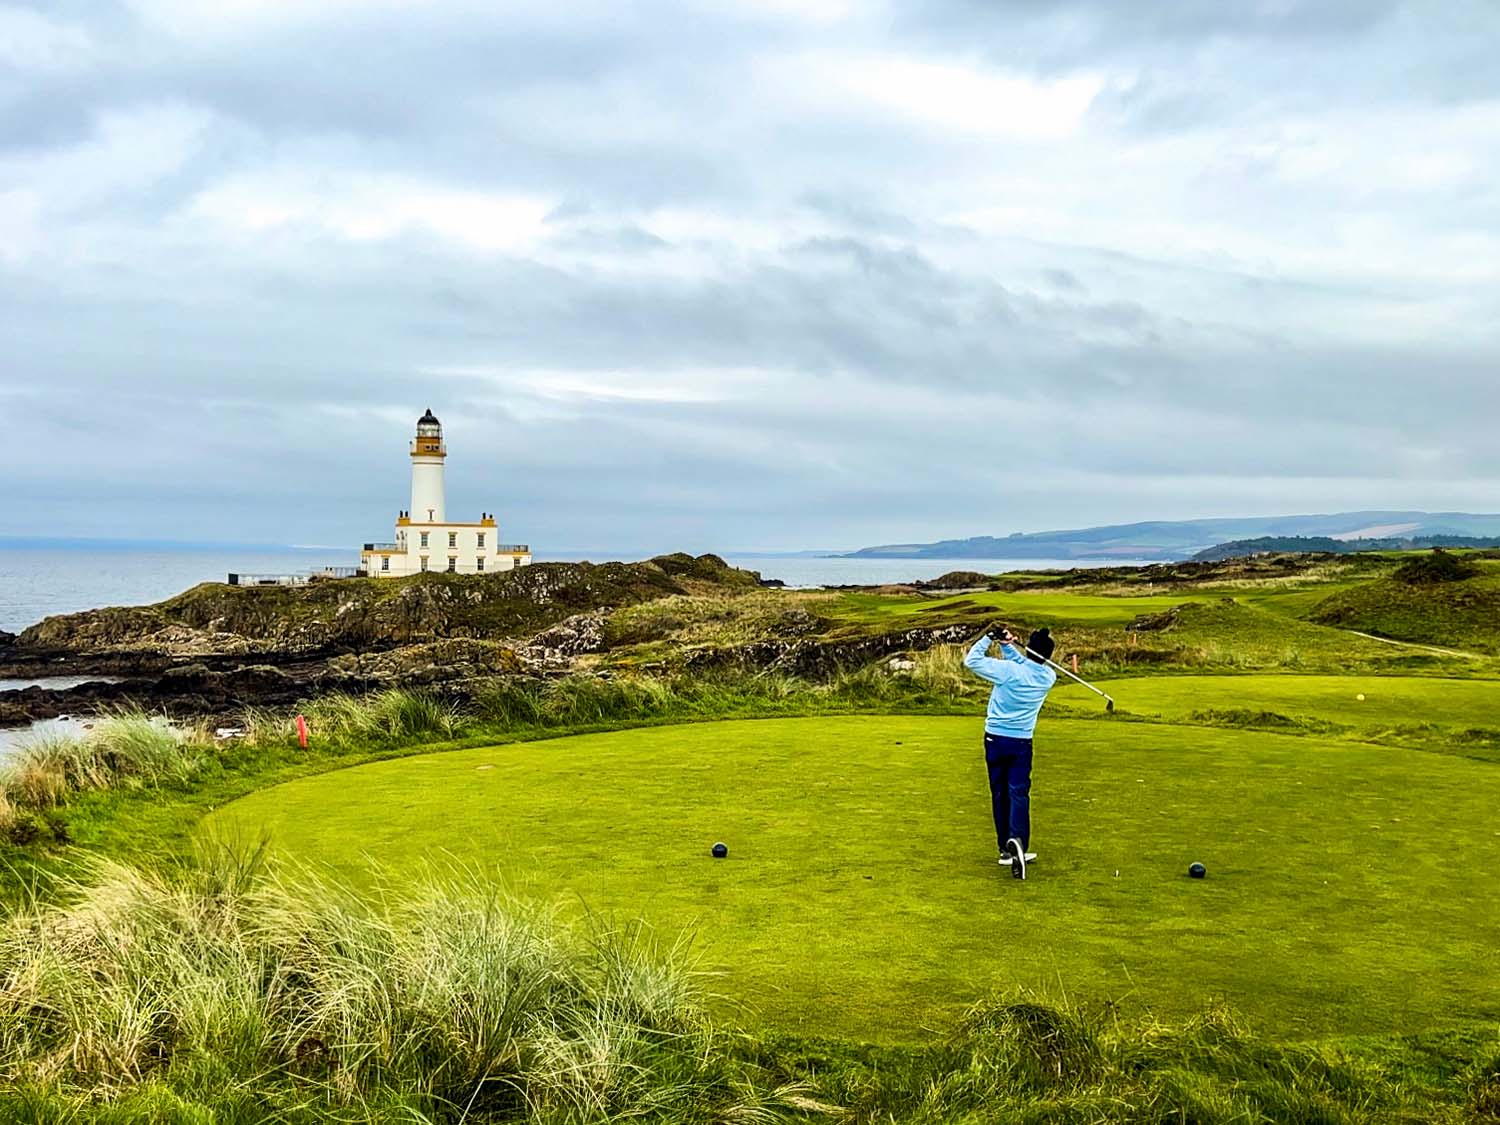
(1048, 660)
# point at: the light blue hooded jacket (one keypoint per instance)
(1021, 686)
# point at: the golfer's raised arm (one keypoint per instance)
(986, 667)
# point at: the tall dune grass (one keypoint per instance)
(222, 979)
(391, 715)
(126, 747)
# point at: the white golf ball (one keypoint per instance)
(1360, 697)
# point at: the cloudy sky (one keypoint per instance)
(744, 273)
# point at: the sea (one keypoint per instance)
(37, 582)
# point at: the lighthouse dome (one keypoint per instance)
(428, 425)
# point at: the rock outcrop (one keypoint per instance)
(344, 616)
(819, 658)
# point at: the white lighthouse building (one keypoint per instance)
(425, 540)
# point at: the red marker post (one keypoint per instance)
(301, 732)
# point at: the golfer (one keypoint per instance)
(1021, 685)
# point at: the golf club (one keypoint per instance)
(1109, 703)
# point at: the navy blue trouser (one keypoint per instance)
(1009, 762)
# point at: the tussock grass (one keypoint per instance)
(217, 980)
(392, 715)
(587, 700)
(124, 748)
(940, 672)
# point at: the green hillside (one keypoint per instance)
(1458, 610)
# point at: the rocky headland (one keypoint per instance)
(216, 648)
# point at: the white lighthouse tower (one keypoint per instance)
(425, 540)
(427, 456)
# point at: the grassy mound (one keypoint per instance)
(1432, 604)
(861, 894)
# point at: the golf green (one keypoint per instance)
(1349, 887)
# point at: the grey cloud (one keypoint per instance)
(1090, 28)
(830, 336)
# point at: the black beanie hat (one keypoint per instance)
(1041, 643)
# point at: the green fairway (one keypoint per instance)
(1348, 890)
(1365, 703)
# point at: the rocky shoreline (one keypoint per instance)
(216, 650)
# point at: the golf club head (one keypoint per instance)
(1109, 705)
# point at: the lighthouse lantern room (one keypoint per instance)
(425, 540)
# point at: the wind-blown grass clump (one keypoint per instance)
(394, 715)
(126, 748)
(220, 989)
(586, 700)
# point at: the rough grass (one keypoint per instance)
(719, 619)
(58, 790)
(124, 748)
(222, 986)
(1232, 635)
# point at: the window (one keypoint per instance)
(424, 562)
(479, 563)
(452, 539)
(385, 562)
(424, 539)
(481, 540)
(452, 565)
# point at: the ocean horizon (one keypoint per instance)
(42, 578)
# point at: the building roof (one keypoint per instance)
(428, 419)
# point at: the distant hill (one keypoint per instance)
(1279, 544)
(1181, 539)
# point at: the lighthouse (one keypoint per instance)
(425, 540)
(427, 456)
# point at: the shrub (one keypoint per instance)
(1434, 568)
(24, 827)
